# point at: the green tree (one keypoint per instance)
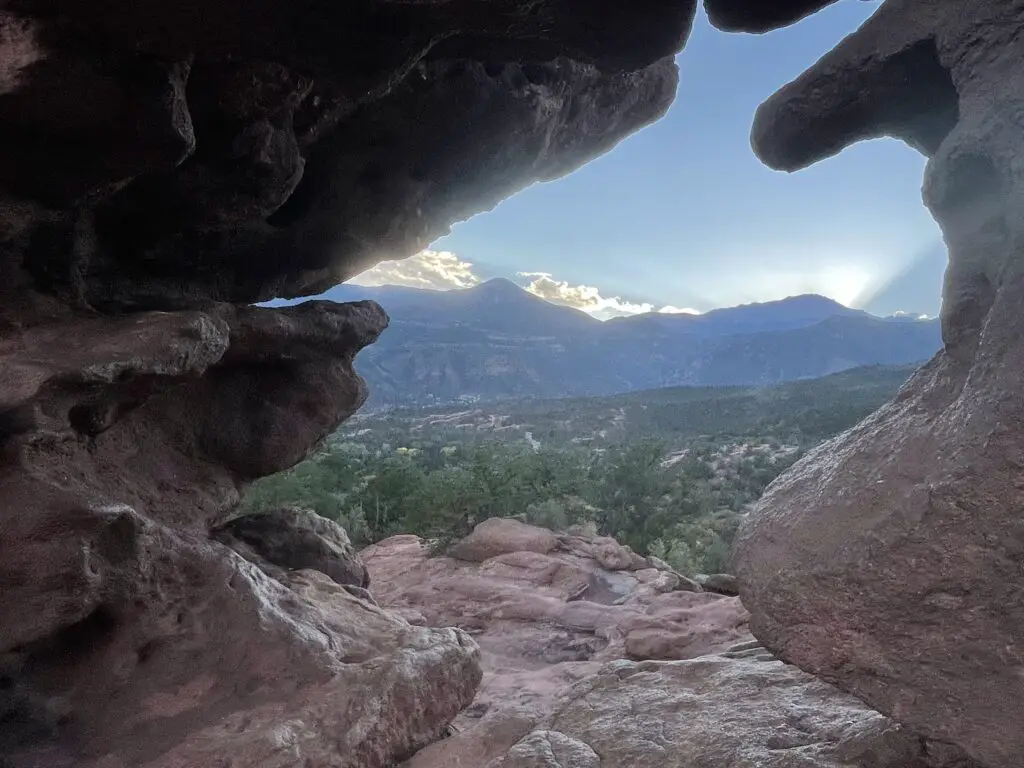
(448, 505)
(389, 495)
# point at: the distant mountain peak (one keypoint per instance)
(498, 340)
(799, 300)
(499, 286)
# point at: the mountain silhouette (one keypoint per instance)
(497, 340)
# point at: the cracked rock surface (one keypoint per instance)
(750, 711)
(594, 656)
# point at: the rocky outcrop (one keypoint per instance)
(546, 612)
(161, 168)
(295, 539)
(720, 583)
(189, 653)
(889, 560)
(582, 658)
(129, 636)
(161, 414)
(525, 592)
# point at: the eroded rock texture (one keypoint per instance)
(162, 166)
(137, 639)
(720, 710)
(889, 561)
(593, 656)
(547, 610)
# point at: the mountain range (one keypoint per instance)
(496, 341)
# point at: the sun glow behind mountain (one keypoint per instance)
(847, 284)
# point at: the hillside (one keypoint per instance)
(668, 471)
(804, 412)
(496, 341)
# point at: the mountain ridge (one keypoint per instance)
(495, 341)
(815, 305)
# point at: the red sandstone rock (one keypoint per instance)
(889, 560)
(543, 620)
(555, 631)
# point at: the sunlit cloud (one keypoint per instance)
(583, 297)
(444, 270)
(433, 270)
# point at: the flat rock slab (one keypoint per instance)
(717, 711)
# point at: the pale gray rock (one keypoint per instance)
(716, 711)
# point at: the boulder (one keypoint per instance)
(660, 581)
(196, 653)
(499, 536)
(720, 583)
(888, 561)
(295, 539)
(684, 628)
(609, 553)
(613, 556)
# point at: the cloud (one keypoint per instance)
(670, 310)
(434, 270)
(444, 270)
(583, 297)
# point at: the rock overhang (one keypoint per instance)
(760, 15)
(172, 155)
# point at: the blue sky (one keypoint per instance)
(683, 215)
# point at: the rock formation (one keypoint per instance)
(588, 649)
(161, 157)
(163, 166)
(889, 561)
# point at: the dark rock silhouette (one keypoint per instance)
(295, 539)
(162, 166)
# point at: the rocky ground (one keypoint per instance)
(594, 656)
